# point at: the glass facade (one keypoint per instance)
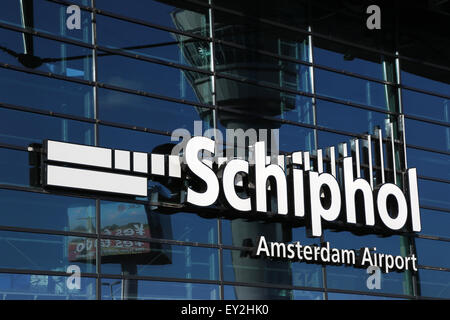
(136, 71)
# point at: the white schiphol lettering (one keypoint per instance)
(259, 187)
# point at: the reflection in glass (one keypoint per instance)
(433, 253)
(154, 78)
(425, 77)
(282, 11)
(257, 35)
(163, 13)
(40, 92)
(356, 90)
(46, 55)
(44, 287)
(159, 260)
(435, 223)
(346, 118)
(434, 284)
(44, 16)
(429, 164)
(427, 135)
(262, 68)
(349, 296)
(118, 138)
(42, 211)
(157, 290)
(24, 128)
(14, 167)
(350, 278)
(240, 266)
(46, 252)
(136, 220)
(434, 194)
(152, 43)
(344, 277)
(350, 59)
(425, 105)
(230, 293)
(146, 112)
(244, 97)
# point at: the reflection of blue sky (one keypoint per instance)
(356, 65)
(347, 296)
(111, 290)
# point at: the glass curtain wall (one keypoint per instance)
(131, 75)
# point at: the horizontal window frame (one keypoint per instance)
(133, 20)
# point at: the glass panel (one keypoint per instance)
(328, 139)
(435, 194)
(240, 267)
(254, 293)
(434, 284)
(284, 11)
(28, 90)
(262, 68)
(425, 77)
(23, 128)
(14, 167)
(48, 55)
(44, 16)
(147, 112)
(159, 260)
(45, 252)
(349, 296)
(425, 105)
(249, 98)
(429, 164)
(295, 138)
(352, 59)
(238, 232)
(153, 43)
(134, 220)
(393, 245)
(44, 287)
(156, 290)
(117, 138)
(82, 2)
(435, 223)
(422, 41)
(185, 17)
(348, 22)
(154, 78)
(346, 118)
(42, 211)
(427, 135)
(259, 36)
(433, 253)
(356, 90)
(350, 278)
